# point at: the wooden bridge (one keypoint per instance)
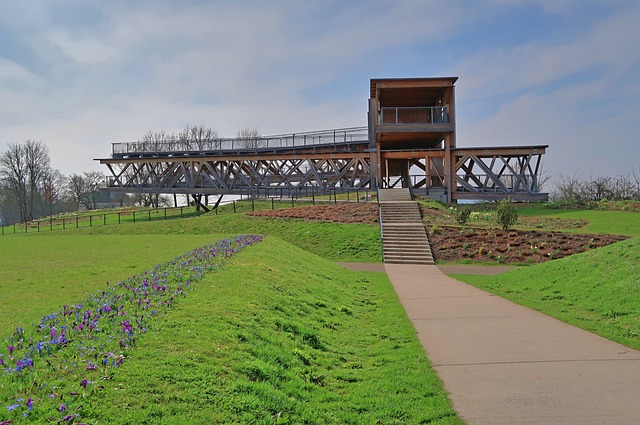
(409, 142)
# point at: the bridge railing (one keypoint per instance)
(312, 138)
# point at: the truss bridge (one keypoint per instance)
(410, 142)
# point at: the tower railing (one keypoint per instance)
(414, 115)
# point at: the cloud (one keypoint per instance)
(80, 75)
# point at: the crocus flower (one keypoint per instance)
(10, 348)
(84, 383)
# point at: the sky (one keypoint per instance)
(81, 74)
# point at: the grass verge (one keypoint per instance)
(596, 290)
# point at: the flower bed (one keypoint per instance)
(48, 369)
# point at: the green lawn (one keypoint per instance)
(597, 290)
(38, 275)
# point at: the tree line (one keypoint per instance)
(30, 188)
(578, 190)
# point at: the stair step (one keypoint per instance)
(405, 240)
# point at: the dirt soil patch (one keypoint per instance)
(450, 243)
(337, 213)
(465, 244)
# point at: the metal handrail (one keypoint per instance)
(310, 138)
(414, 115)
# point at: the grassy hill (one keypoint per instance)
(597, 290)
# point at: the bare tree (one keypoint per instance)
(22, 168)
(53, 183)
(156, 141)
(198, 137)
(580, 190)
(250, 138)
(85, 188)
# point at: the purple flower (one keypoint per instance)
(84, 383)
(10, 348)
(91, 366)
(62, 408)
(30, 404)
(13, 407)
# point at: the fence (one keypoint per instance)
(235, 206)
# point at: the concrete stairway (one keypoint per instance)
(404, 240)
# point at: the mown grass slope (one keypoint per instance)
(337, 242)
(597, 290)
(279, 336)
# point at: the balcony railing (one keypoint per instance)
(414, 115)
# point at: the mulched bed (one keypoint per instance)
(450, 243)
(337, 213)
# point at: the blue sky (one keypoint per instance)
(80, 74)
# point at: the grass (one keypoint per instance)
(277, 336)
(337, 242)
(38, 275)
(280, 336)
(597, 290)
(613, 222)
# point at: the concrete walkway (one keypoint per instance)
(505, 364)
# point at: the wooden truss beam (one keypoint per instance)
(241, 175)
(497, 173)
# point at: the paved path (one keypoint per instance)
(505, 364)
(445, 268)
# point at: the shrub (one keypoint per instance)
(506, 214)
(463, 213)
